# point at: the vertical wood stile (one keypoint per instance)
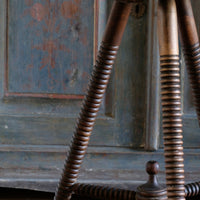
(171, 99)
(153, 79)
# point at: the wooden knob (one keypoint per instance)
(152, 167)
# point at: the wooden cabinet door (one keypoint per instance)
(48, 48)
(47, 51)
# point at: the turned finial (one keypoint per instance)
(152, 167)
(152, 189)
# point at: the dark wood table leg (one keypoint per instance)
(192, 189)
(96, 89)
(103, 192)
(191, 48)
(171, 99)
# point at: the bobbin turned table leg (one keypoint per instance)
(171, 99)
(98, 83)
(191, 48)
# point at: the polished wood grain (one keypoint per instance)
(186, 22)
(167, 29)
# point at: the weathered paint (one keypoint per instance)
(105, 166)
(35, 130)
(47, 95)
(118, 123)
(52, 48)
(41, 122)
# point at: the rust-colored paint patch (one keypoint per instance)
(57, 58)
(29, 2)
(50, 47)
(83, 37)
(70, 9)
(38, 11)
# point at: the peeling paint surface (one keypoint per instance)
(51, 50)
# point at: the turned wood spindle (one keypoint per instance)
(171, 99)
(103, 192)
(191, 48)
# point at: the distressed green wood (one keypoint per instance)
(31, 120)
(25, 130)
(51, 50)
(131, 87)
(152, 135)
(107, 166)
(34, 130)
